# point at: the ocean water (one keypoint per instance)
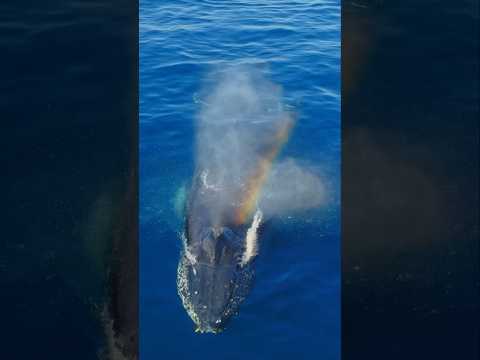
(294, 306)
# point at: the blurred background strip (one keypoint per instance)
(410, 128)
(68, 247)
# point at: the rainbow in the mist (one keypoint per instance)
(261, 172)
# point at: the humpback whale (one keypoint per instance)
(220, 238)
(240, 133)
(212, 280)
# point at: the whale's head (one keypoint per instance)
(211, 280)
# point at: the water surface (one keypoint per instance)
(294, 306)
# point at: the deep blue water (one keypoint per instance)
(294, 306)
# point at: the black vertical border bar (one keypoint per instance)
(410, 172)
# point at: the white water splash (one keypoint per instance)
(251, 239)
(206, 185)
